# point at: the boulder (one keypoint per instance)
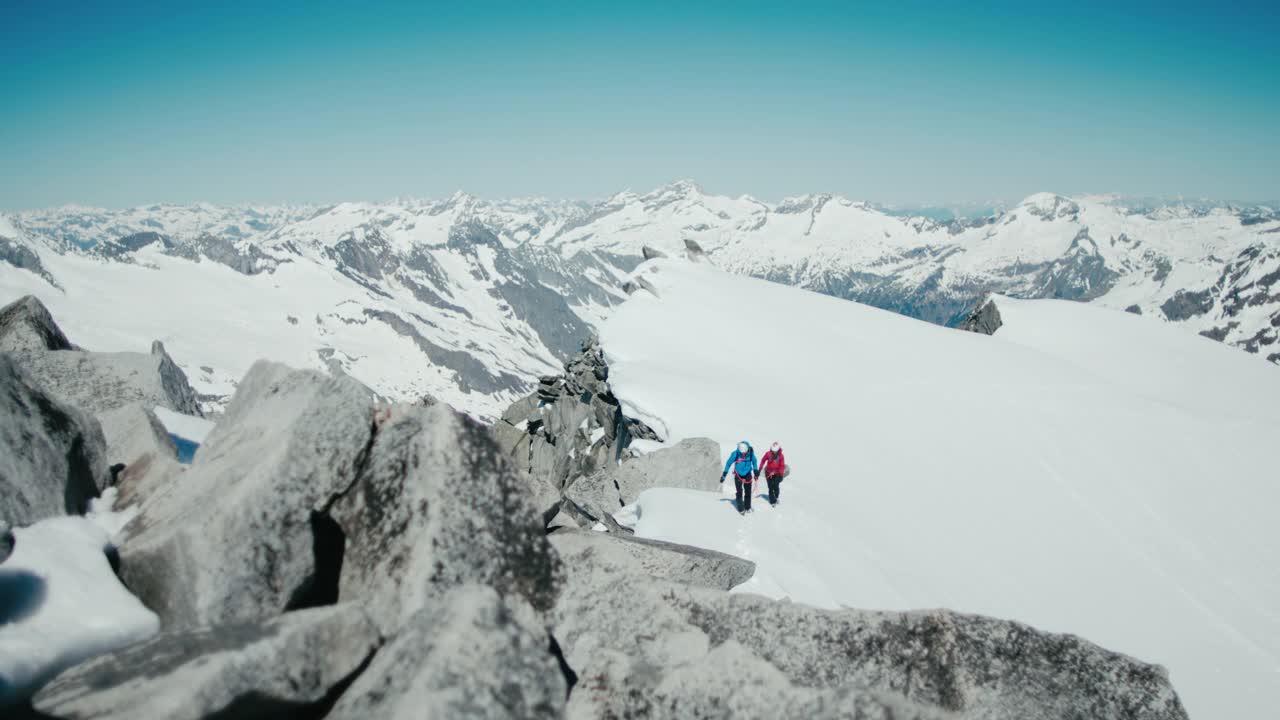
(473, 654)
(693, 463)
(693, 250)
(26, 324)
(984, 318)
(651, 253)
(437, 506)
(290, 666)
(52, 456)
(973, 666)
(247, 533)
(98, 382)
(137, 440)
(663, 560)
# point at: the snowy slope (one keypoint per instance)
(1022, 477)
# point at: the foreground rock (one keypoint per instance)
(98, 382)
(52, 456)
(6, 542)
(26, 324)
(691, 464)
(137, 440)
(436, 506)
(473, 654)
(294, 665)
(636, 642)
(246, 534)
(663, 560)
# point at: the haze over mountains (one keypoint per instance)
(495, 293)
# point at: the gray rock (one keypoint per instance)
(6, 542)
(693, 464)
(623, 631)
(136, 438)
(99, 382)
(666, 561)
(438, 506)
(752, 689)
(984, 319)
(285, 667)
(643, 282)
(1185, 305)
(246, 534)
(473, 654)
(25, 324)
(522, 410)
(693, 249)
(650, 253)
(52, 456)
(1133, 309)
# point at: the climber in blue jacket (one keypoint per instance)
(745, 471)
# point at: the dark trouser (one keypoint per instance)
(744, 498)
(775, 487)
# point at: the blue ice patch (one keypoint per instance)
(186, 448)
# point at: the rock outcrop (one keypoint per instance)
(6, 542)
(291, 666)
(635, 643)
(246, 534)
(98, 382)
(663, 560)
(52, 456)
(473, 654)
(26, 324)
(984, 318)
(137, 440)
(437, 505)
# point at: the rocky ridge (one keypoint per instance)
(331, 555)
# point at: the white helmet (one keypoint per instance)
(776, 447)
(743, 447)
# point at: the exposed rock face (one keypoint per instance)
(693, 250)
(474, 654)
(52, 456)
(6, 542)
(572, 425)
(436, 506)
(1184, 304)
(99, 382)
(635, 644)
(25, 324)
(691, 464)
(663, 560)
(985, 318)
(24, 258)
(291, 666)
(247, 534)
(136, 439)
(651, 253)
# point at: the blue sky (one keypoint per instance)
(136, 102)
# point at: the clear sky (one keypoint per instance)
(126, 103)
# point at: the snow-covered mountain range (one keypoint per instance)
(469, 300)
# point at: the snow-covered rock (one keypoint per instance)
(475, 653)
(667, 561)
(52, 456)
(434, 506)
(286, 666)
(245, 535)
(984, 318)
(61, 603)
(25, 324)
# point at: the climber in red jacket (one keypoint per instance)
(774, 467)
